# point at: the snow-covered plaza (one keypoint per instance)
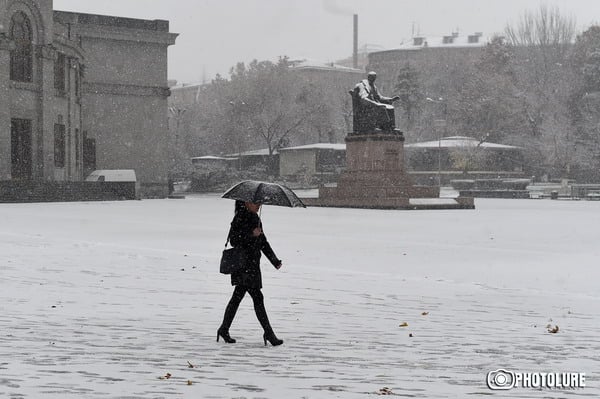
(108, 299)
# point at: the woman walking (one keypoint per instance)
(246, 232)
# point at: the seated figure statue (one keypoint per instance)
(372, 111)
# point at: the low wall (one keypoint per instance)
(30, 191)
(522, 194)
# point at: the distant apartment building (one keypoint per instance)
(433, 56)
(442, 64)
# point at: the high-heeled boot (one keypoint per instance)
(225, 335)
(228, 317)
(261, 315)
(272, 338)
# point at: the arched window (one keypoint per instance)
(21, 58)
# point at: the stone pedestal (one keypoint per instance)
(375, 177)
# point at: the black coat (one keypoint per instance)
(240, 235)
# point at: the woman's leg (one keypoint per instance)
(259, 309)
(261, 315)
(232, 307)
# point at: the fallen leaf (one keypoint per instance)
(165, 377)
(385, 391)
(424, 313)
(553, 330)
(190, 365)
(410, 335)
(404, 324)
(189, 382)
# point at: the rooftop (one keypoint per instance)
(453, 40)
(305, 63)
(460, 142)
(158, 25)
(318, 146)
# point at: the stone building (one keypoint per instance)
(442, 64)
(80, 92)
(434, 57)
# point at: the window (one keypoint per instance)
(59, 73)
(21, 59)
(417, 41)
(89, 154)
(59, 145)
(77, 149)
(78, 84)
(473, 39)
(448, 39)
(21, 160)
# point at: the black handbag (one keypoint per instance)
(232, 260)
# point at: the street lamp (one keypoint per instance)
(177, 114)
(443, 123)
(174, 152)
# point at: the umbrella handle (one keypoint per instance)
(228, 235)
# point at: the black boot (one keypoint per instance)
(263, 319)
(230, 311)
(272, 338)
(225, 335)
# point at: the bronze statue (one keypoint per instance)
(373, 113)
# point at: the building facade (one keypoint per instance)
(441, 64)
(80, 92)
(433, 57)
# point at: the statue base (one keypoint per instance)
(375, 178)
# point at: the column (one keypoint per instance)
(47, 119)
(5, 143)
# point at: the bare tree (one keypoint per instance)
(547, 28)
(542, 41)
(408, 87)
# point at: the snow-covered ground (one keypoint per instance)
(102, 299)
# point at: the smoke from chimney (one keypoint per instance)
(333, 7)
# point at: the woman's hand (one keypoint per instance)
(279, 265)
(256, 232)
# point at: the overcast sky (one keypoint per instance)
(215, 34)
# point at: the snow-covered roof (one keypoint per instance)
(261, 152)
(459, 142)
(452, 40)
(212, 157)
(305, 63)
(188, 86)
(318, 146)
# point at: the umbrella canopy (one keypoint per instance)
(265, 193)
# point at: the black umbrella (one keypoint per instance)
(265, 193)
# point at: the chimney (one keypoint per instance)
(355, 50)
